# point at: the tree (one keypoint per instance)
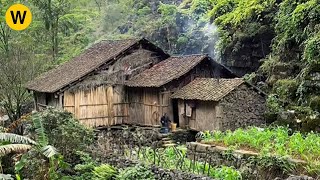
(51, 11)
(17, 67)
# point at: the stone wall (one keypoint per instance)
(241, 108)
(114, 137)
(245, 161)
(161, 174)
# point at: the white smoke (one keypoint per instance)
(203, 37)
(211, 31)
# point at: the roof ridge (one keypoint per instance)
(221, 78)
(188, 55)
(120, 39)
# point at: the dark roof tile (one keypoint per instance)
(208, 89)
(73, 70)
(166, 71)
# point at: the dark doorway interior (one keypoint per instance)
(175, 111)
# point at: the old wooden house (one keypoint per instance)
(220, 104)
(123, 82)
(91, 85)
(149, 92)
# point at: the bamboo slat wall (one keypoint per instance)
(146, 106)
(100, 106)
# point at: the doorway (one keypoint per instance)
(175, 111)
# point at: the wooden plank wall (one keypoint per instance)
(147, 105)
(151, 107)
(144, 107)
(100, 106)
(206, 116)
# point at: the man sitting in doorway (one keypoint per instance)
(165, 120)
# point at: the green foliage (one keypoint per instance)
(64, 132)
(286, 89)
(168, 13)
(84, 170)
(312, 48)
(106, 172)
(274, 163)
(272, 143)
(315, 103)
(15, 138)
(175, 158)
(226, 173)
(137, 172)
(273, 104)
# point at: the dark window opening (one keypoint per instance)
(175, 111)
(48, 97)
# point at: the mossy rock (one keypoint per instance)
(315, 103)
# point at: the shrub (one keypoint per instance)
(273, 104)
(65, 132)
(137, 172)
(286, 88)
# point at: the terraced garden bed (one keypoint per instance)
(272, 142)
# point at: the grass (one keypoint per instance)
(271, 141)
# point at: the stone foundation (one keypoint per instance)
(141, 136)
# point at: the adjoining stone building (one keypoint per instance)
(220, 104)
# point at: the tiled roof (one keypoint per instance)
(81, 65)
(207, 89)
(166, 71)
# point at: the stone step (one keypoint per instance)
(166, 139)
(169, 145)
(167, 142)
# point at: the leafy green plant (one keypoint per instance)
(14, 143)
(275, 163)
(138, 172)
(62, 131)
(104, 172)
(226, 173)
(272, 143)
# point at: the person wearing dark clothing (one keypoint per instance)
(165, 120)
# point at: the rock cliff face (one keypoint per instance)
(244, 56)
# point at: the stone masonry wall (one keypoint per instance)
(246, 162)
(241, 108)
(161, 174)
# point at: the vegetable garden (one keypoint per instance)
(273, 141)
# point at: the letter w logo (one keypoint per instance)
(18, 16)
